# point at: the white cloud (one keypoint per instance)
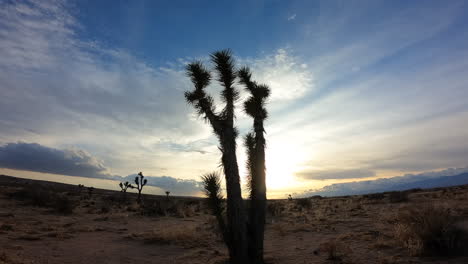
(288, 77)
(292, 17)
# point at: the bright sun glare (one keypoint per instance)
(282, 161)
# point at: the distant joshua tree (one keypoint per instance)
(124, 186)
(244, 237)
(80, 188)
(140, 182)
(90, 191)
(167, 194)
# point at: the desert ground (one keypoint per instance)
(45, 222)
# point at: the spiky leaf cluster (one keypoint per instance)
(125, 185)
(254, 106)
(212, 188)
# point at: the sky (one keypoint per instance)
(361, 90)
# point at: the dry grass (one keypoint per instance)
(336, 251)
(430, 230)
(186, 236)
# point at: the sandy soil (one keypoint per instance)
(103, 229)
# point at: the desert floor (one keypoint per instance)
(43, 222)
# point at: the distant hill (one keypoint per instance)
(407, 182)
(444, 181)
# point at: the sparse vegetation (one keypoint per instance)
(305, 203)
(430, 230)
(38, 196)
(348, 229)
(124, 186)
(398, 197)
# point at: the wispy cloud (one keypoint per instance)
(292, 17)
(63, 91)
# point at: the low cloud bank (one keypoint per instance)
(35, 157)
(75, 162)
(336, 174)
(448, 177)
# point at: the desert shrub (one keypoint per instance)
(275, 208)
(336, 251)
(105, 208)
(155, 208)
(39, 196)
(398, 197)
(430, 230)
(63, 204)
(34, 195)
(304, 203)
(375, 196)
(186, 236)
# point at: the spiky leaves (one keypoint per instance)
(249, 144)
(254, 106)
(212, 188)
(224, 65)
(203, 103)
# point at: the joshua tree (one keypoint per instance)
(167, 194)
(223, 127)
(212, 186)
(140, 182)
(80, 188)
(254, 106)
(124, 186)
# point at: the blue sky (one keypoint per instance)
(360, 89)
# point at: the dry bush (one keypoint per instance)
(186, 236)
(34, 195)
(398, 197)
(7, 259)
(63, 204)
(305, 203)
(375, 196)
(39, 196)
(430, 230)
(336, 251)
(275, 208)
(169, 208)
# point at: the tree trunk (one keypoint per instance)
(258, 206)
(237, 225)
(139, 196)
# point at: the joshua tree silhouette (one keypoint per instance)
(124, 186)
(254, 142)
(223, 126)
(244, 241)
(140, 182)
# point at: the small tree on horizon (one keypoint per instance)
(140, 182)
(124, 186)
